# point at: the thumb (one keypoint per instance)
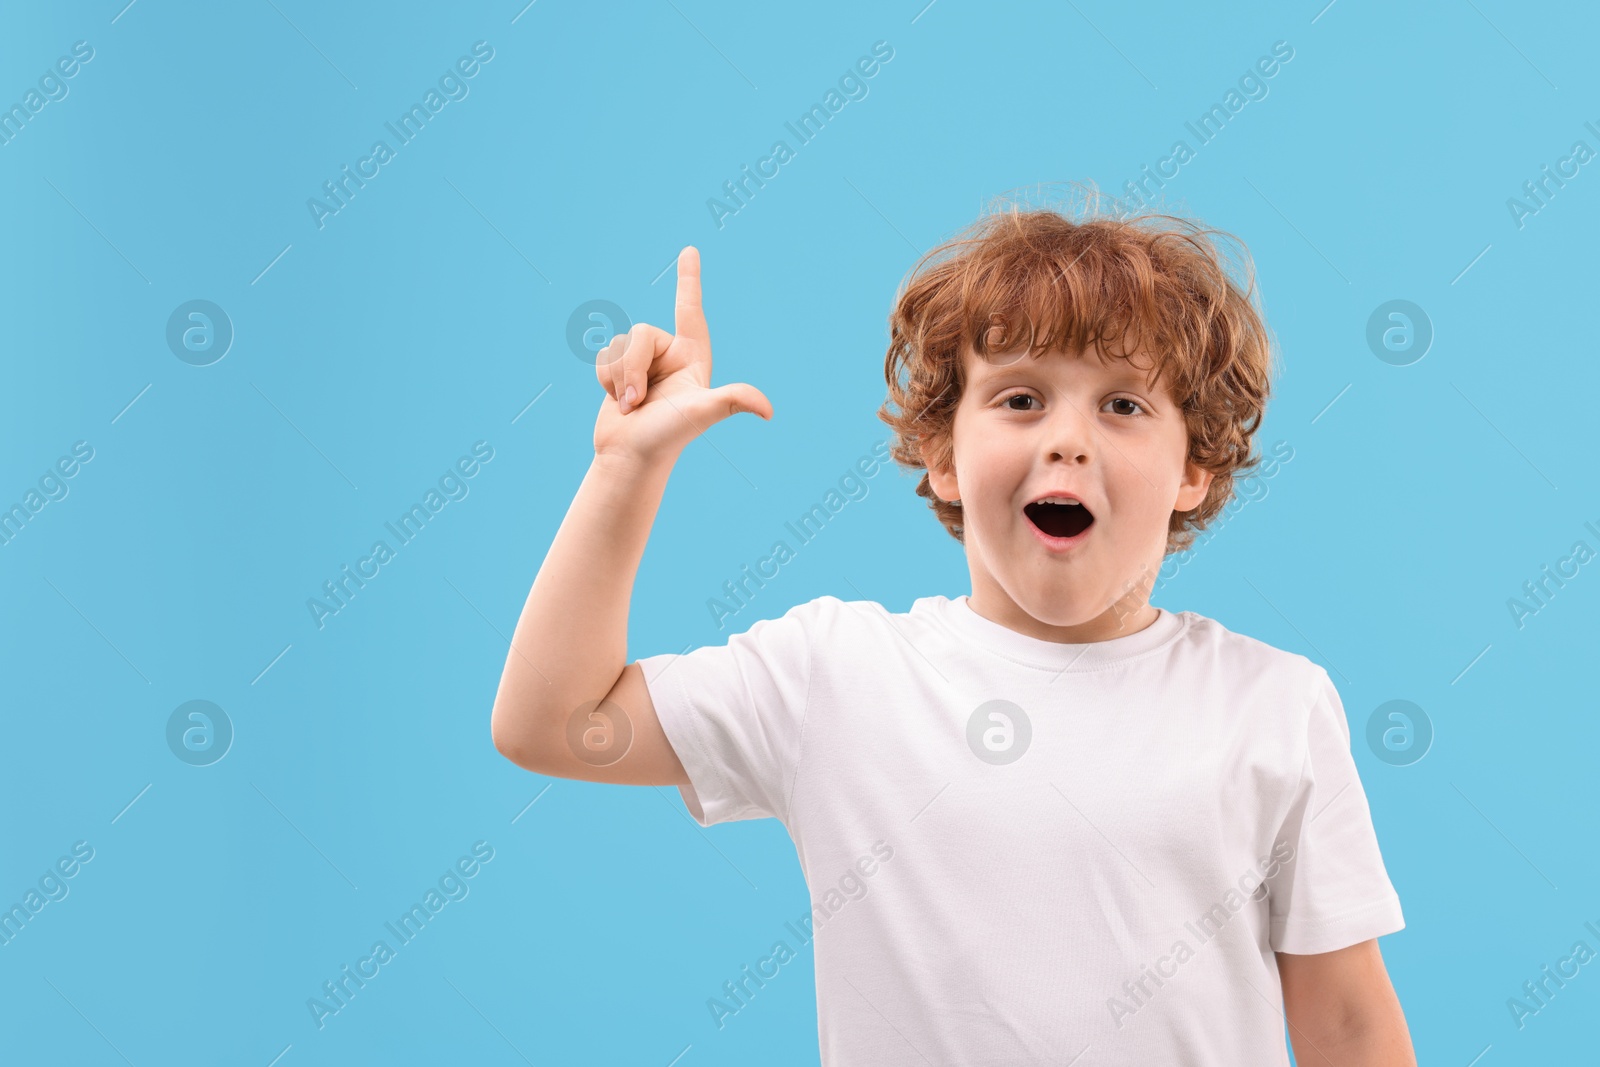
(731, 399)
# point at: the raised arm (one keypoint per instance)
(568, 654)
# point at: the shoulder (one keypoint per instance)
(844, 628)
(815, 622)
(832, 609)
(1288, 700)
(862, 619)
(1242, 657)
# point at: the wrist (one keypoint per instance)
(634, 469)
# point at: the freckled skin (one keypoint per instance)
(1094, 426)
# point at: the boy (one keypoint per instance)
(1094, 831)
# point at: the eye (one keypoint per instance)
(1140, 413)
(1017, 396)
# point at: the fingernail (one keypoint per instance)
(629, 397)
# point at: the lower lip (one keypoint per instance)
(1058, 544)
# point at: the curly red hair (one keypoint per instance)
(1151, 286)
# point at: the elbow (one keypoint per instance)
(502, 744)
(508, 741)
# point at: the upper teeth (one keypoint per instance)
(1056, 500)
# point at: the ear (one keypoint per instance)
(1192, 490)
(942, 480)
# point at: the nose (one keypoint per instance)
(1069, 432)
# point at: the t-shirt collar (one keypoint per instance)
(1056, 655)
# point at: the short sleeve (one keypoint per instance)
(1334, 892)
(734, 715)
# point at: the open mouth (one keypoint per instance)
(1059, 520)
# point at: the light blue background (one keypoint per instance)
(433, 309)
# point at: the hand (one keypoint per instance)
(658, 385)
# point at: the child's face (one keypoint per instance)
(1091, 427)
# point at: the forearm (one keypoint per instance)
(1372, 1035)
(1376, 1042)
(571, 640)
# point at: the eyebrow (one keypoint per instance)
(986, 373)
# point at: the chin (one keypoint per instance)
(1059, 611)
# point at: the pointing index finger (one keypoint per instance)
(689, 317)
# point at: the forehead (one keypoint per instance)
(1056, 362)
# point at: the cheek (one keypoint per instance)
(994, 478)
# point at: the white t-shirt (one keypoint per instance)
(1099, 866)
